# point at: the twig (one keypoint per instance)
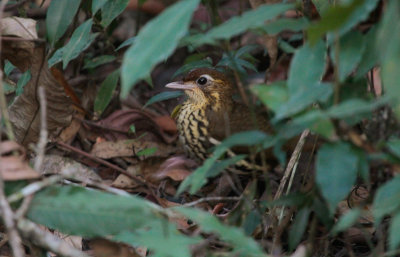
(33, 188)
(213, 199)
(23, 209)
(8, 218)
(41, 145)
(101, 161)
(292, 162)
(47, 240)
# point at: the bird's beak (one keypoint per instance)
(181, 85)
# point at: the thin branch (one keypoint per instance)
(212, 199)
(47, 240)
(41, 145)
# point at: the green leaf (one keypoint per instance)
(90, 213)
(354, 106)
(351, 48)
(321, 5)
(8, 68)
(127, 42)
(394, 146)
(59, 16)
(273, 95)
(370, 56)
(154, 45)
(347, 220)
(307, 67)
(394, 235)
(212, 167)
(80, 40)
(147, 151)
(106, 92)
(336, 169)
(240, 243)
(163, 96)
(298, 227)
(97, 4)
(388, 46)
(111, 9)
(239, 24)
(299, 100)
(341, 18)
(26, 76)
(387, 199)
(97, 61)
(162, 238)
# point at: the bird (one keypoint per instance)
(210, 114)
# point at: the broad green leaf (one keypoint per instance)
(97, 61)
(341, 18)
(388, 46)
(336, 169)
(394, 235)
(354, 106)
(212, 167)
(351, 49)
(347, 220)
(80, 40)
(153, 45)
(370, 56)
(127, 42)
(23, 80)
(111, 9)
(273, 95)
(307, 67)
(97, 4)
(386, 199)
(90, 213)
(239, 24)
(162, 238)
(286, 24)
(59, 16)
(298, 227)
(299, 100)
(106, 92)
(240, 243)
(163, 96)
(8, 68)
(394, 146)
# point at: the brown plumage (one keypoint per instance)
(210, 112)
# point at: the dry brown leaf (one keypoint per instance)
(18, 27)
(25, 110)
(105, 248)
(175, 168)
(54, 164)
(129, 147)
(13, 165)
(122, 120)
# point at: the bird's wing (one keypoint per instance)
(238, 119)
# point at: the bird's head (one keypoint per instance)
(205, 85)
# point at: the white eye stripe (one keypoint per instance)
(208, 77)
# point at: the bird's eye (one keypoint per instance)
(202, 81)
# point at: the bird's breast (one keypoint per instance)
(193, 131)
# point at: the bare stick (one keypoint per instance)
(8, 218)
(47, 240)
(40, 149)
(293, 160)
(213, 199)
